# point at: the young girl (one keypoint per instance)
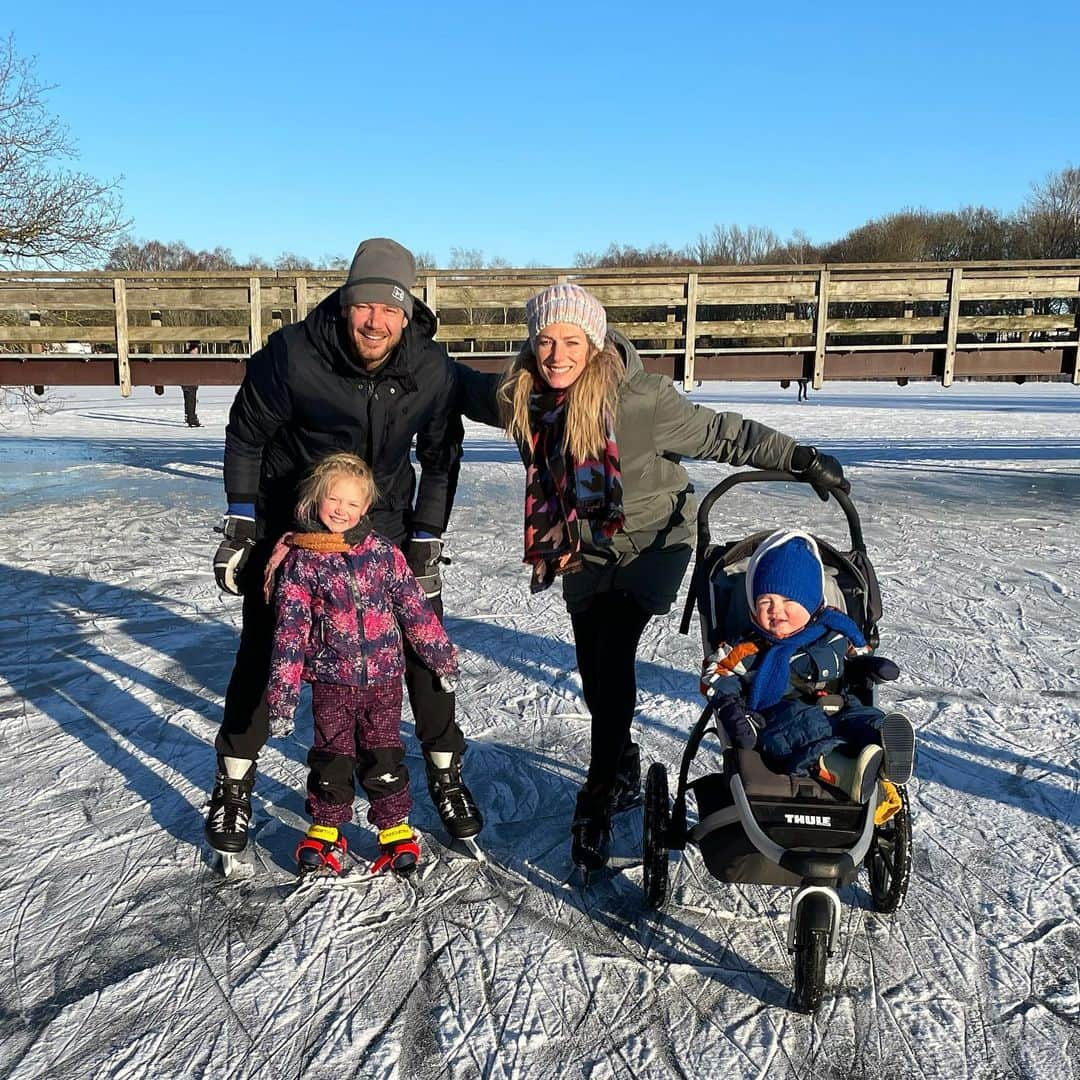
(341, 595)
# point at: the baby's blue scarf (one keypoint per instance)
(772, 675)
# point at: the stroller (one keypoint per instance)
(757, 826)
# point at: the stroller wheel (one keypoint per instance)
(654, 857)
(889, 859)
(811, 953)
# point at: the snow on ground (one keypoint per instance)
(125, 954)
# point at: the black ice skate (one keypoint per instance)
(229, 815)
(454, 802)
(627, 790)
(590, 836)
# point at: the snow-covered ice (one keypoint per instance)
(125, 955)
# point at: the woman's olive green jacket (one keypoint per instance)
(655, 427)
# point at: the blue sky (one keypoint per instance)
(534, 132)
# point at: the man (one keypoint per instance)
(360, 373)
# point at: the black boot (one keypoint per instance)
(627, 790)
(460, 815)
(229, 815)
(590, 833)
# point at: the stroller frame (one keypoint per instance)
(802, 834)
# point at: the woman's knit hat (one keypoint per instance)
(567, 304)
(788, 564)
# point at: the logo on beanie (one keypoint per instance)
(398, 293)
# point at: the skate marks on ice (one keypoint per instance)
(127, 956)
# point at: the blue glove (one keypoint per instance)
(741, 725)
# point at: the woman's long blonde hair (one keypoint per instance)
(316, 484)
(591, 396)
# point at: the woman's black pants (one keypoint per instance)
(606, 636)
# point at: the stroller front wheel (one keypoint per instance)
(889, 859)
(813, 927)
(654, 855)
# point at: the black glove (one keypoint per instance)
(423, 554)
(739, 722)
(233, 551)
(821, 471)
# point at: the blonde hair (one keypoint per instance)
(316, 484)
(589, 399)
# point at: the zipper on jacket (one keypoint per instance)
(355, 594)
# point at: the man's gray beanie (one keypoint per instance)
(382, 272)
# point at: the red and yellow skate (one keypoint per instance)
(399, 850)
(321, 851)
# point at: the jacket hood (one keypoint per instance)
(630, 355)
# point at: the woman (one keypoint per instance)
(608, 507)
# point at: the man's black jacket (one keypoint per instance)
(305, 395)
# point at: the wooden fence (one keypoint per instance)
(875, 321)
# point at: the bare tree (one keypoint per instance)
(730, 244)
(626, 255)
(48, 214)
(1051, 217)
(130, 254)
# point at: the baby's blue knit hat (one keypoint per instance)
(787, 564)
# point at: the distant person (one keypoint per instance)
(608, 508)
(341, 594)
(803, 383)
(362, 374)
(190, 392)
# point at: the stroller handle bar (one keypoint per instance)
(768, 476)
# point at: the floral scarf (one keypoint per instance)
(560, 491)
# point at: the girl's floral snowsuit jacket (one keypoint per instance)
(338, 618)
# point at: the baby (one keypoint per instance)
(775, 690)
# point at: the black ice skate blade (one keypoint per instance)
(234, 865)
(458, 846)
(472, 847)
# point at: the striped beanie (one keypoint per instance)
(567, 304)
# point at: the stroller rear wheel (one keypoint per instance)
(889, 859)
(654, 856)
(811, 947)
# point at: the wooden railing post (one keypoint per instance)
(1076, 351)
(301, 299)
(691, 331)
(821, 328)
(431, 297)
(255, 297)
(955, 280)
(909, 313)
(123, 364)
(35, 324)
